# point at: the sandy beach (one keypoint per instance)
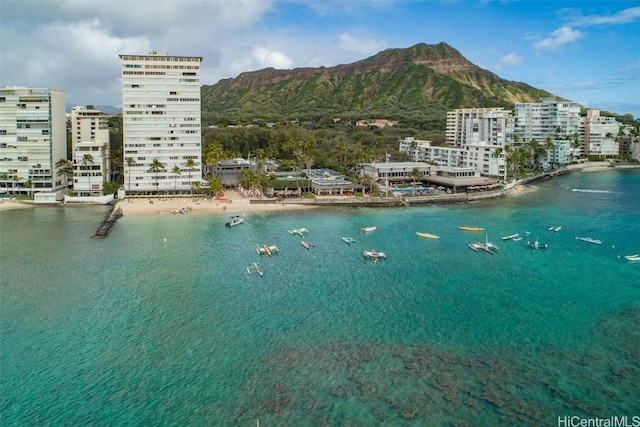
(234, 205)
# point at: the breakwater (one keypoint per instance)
(108, 223)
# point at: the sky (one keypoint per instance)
(584, 51)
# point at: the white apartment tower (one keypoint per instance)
(547, 118)
(600, 134)
(89, 137)
(491, 126)
(161, 122)
(33, 137)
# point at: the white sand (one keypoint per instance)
(235, 205)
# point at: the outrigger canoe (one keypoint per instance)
(470, 228)
(427, 235)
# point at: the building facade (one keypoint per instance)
(161, 123)
(33, 137)
(492, 126)
(600, 135)
(547, 118)
(89, 137)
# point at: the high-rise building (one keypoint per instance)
(600, 134)
(489, 126)
(547, 118)
(90, 146)
(33, 137)
(161, 123)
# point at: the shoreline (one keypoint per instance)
(235, 204)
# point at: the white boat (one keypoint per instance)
(255, 268)
(535, 244)
(511, 236)
(267, 250)
(557, 228)
(488, 244)
(299, 231)
(234, 220)
(348, 240)
(374, 255)
(635, 257)
(368, 229)
(306, 244)
(589, 240)
(474, 246)
(517, 239)
(428, 235)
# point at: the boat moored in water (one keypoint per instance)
(634, 257)
(299, 231)
(589, 240)
(511, 236)
(306, 244)
(368, 229)
(427, 235)
(348, 240)
(373, 254)
(465, 228)
(234, 220)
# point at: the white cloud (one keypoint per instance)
(269, 58)
(623, 17)
(365, 47)
(558, 38)
(510, 60)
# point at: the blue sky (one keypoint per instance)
(585, 51)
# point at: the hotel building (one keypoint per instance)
(89, 136)
(33, 137)
(161, 122)
(600, 134)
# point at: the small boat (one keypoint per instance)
(557, 228)
(535, 244)
(483, 246)
(465, 228)
(306, 244)
(348, 240)
(374, 255)
(267, 250)
(634, 257)
(474, 247)
(488, 244)
(255, 268)
(234, 220)
(299, 231)
(517, 239)
(428, 235)
(511, 236)
(589, 240)
(368, 229)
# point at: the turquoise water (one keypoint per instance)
(161, 324)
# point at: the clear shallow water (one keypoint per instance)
(133, 330)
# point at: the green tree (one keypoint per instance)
(65, 170)
(5, 178)
(176, 171)
(548, 146)
(496, 155)
(190, 164)
(29, 184)
(87, 160)
(156, 167)
(130, 163)
(16, 181)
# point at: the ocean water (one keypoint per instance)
(162, 324)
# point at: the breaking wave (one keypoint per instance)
(582, 190)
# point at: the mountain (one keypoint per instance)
(402, 84)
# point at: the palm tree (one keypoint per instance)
(16, 180)
(415, 174)
(548, 146)
(190, 165)
(496, 155)
(29, 184)
(156, 167)
(575, 144)
(176, 171)
(130, 162)
(5, 177)
(65, 170)
(87, 159)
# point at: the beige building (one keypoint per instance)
(161, 122)
(89, 137)
(33, 137)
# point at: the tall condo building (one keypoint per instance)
(161, 123)
(488, 126)
(547, 118)
(33, 137)
(90, 147)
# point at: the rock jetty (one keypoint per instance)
(108, 223)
